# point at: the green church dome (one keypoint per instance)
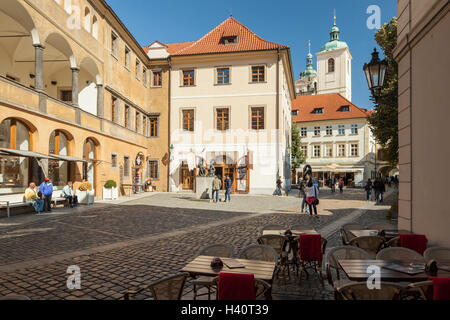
(334, 43)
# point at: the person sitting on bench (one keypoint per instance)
(31, 196)
(68, 194)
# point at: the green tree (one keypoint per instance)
(384, 121)
(296, 152)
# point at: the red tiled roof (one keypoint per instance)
(331, 103)
(212, 42)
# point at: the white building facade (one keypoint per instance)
(231, 95)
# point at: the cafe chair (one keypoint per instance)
(346, 235)
(170, 288)
(310, 255)
(262, 289)
(382, 226)
(271, 227)
(278, 243)
(360, 291)
(259, 252)
(438, 254)
(341, 253)
(371, 244)
(400, 254)
(419, 291)
(221, 250)
(437, 288)
(393, 243)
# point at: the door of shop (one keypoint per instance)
(187, 179)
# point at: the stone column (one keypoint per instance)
(75, 73)
(39, 67)
(100, 100)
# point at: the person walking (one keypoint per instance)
(279, 184)
(67, 193)
(303, 195)
(228, 184)
(382, 191)
(46, 188)
(312, 197)
(341, 185)
(216, 186)
(31, 196)
(368, 189)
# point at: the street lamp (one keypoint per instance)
(375, 72)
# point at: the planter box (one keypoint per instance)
(110, 194)
(86, 197)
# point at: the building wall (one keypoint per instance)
(365, 160)
(239, 96)
(69, 34)
(422, 54)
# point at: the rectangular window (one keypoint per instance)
(354, 150)
(114, 109)
(114, 44)
(188, 120)
(113, 160)
(303, 132)
(138, 69)
(153, 169)
(354, 129)
(137, 128)
(223, 75)
(304, 150)
(157, 78)
(318, 111)
(258, 74)
(153, 126)
(222, 119)
(65, 95)
(258, 118)
(144, 125)
(144, 75)
(341, 130)
(329, 150)
(127, 58)
(126, 166)
(127, 117)
(316, 151)
(317, 131)
(329, 130)
(341, 150)
(188, 77)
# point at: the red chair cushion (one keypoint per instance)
(310, 247)
(441, 288)
(416, 242)
(236, 286)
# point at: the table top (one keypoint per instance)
(202, 266)
(356, 270)
(296, 232)
(371, 233)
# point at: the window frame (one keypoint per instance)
(126, 167)
(329, 61)
(150, 170)
(156, 127)
(354, 129)
(114, 45)
(357, 149)
(216, 82)
(305, 131)
(341, 127)
(216, 119)
(127, 59)
(327, 131)
(319, 148)
(319, 129)
(264, 74)
(339, 149)
(193, 79)
(154, 72)
(138, 69)
(251, 109)
(192, 111)
(114, 156)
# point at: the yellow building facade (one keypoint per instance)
(77, 90)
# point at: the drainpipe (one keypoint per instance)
(169, 116)
(278, 111)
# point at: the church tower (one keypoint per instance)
(307, 84)
(334, 66)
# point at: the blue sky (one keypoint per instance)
(288, 22)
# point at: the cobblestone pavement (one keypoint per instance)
(121, 247)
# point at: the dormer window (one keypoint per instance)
(230, 40)
(318, 111)
(295, 112)
(344, 109)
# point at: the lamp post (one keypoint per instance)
(375, 72)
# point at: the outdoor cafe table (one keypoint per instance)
(294, 232)
(371, 233)
(357, 270)
(201, 266)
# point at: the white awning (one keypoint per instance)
(68, 158)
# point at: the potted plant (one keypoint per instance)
(110, 191)
(148, 185)
(85, 193)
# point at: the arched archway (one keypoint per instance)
(89, 81)
(18, 34)
(60, 143)
(90, 153)
(59, 66)
(17, 172)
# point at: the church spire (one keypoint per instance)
(309, 72)
(334, 34)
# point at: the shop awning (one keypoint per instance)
(68, 158)
(25, 154)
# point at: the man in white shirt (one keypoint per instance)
(68, 194)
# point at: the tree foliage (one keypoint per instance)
(384, 121)
(296, 152)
